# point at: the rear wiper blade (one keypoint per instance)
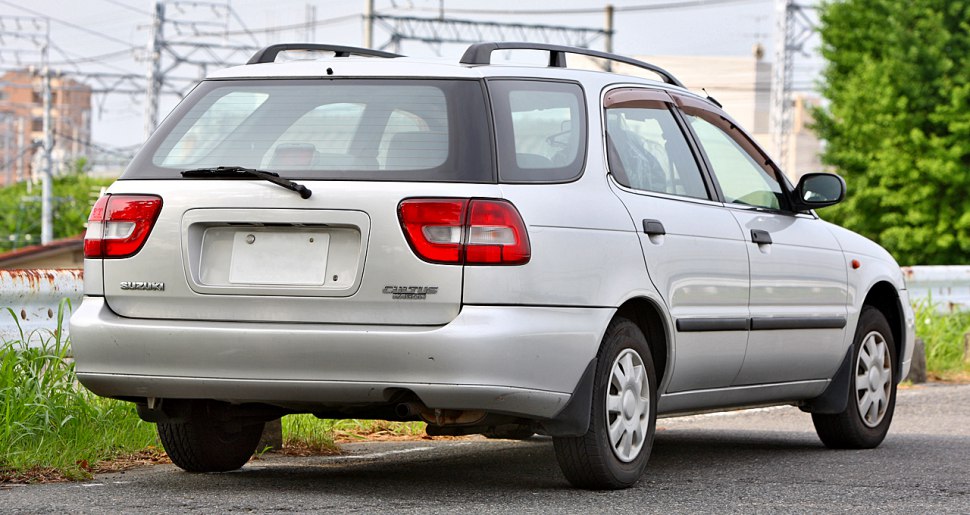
(240, 172)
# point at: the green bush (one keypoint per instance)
(20, 211)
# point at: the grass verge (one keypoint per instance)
(943, 335)
(308, 435)
(51, 425)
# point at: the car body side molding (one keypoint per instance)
(694, 325)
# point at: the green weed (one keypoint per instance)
(49, 421)
(306, 432)
(943, 335)
(359, 429)
(309, 433)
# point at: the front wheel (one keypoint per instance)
(872, 395)
(614, 451)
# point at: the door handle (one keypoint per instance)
(760, 237)
(653, 227)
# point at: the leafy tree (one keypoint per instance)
(898, 123)
(20, 211)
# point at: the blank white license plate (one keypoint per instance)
(279, 258)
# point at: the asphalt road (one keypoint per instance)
(766, 460)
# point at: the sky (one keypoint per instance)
(111, 35)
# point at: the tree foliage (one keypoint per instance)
(20, 210)
(898, 124)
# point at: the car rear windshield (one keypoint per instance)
(337, 129)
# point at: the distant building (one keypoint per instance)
(22, 122)
(743, 86)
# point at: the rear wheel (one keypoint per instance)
(201, 445)
(615, 449)
(872, 394)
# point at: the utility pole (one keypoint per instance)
(368, 23)
(47, 180)
(154, 87)
(793, 29)
(780, 119)
(608, 40)
(311, 23)
(7, 162)
(20, 148)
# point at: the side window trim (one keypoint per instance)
(689, 103)
(645, 97)
(704, 163)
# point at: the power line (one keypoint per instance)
(278, 28)
(130, 8)
(67, 23)
(595, 10)
(92, 59)
(95, 146)
(683, 5)
(27, 148)
(452, 30)
(74, 59)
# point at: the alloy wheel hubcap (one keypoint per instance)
(873, 379)
(627, 405)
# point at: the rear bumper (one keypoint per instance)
(522, 361)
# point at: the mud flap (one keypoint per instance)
(835, 398)
(573, 419)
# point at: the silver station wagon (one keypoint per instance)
(504, 250)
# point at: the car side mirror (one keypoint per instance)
(817, 190)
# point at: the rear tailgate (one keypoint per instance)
(252, 251)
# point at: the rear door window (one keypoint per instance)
(540, 130)
(647, 151)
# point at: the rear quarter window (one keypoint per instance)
(540, 130)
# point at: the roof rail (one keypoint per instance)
(481, 53)
(268, 54)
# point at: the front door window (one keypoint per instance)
(742, 178)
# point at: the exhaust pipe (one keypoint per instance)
(410, 409)
(438, 417)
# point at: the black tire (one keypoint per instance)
(591, 461)
(853, 429)
(199, 445)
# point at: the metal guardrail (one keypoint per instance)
(947, 287)
(34, 297)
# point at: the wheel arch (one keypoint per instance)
(650, 318)
(884, 297)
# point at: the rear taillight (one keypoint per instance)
(120, 224)
(465, 231)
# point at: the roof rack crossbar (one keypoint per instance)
(268, 54)
(481, 53)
